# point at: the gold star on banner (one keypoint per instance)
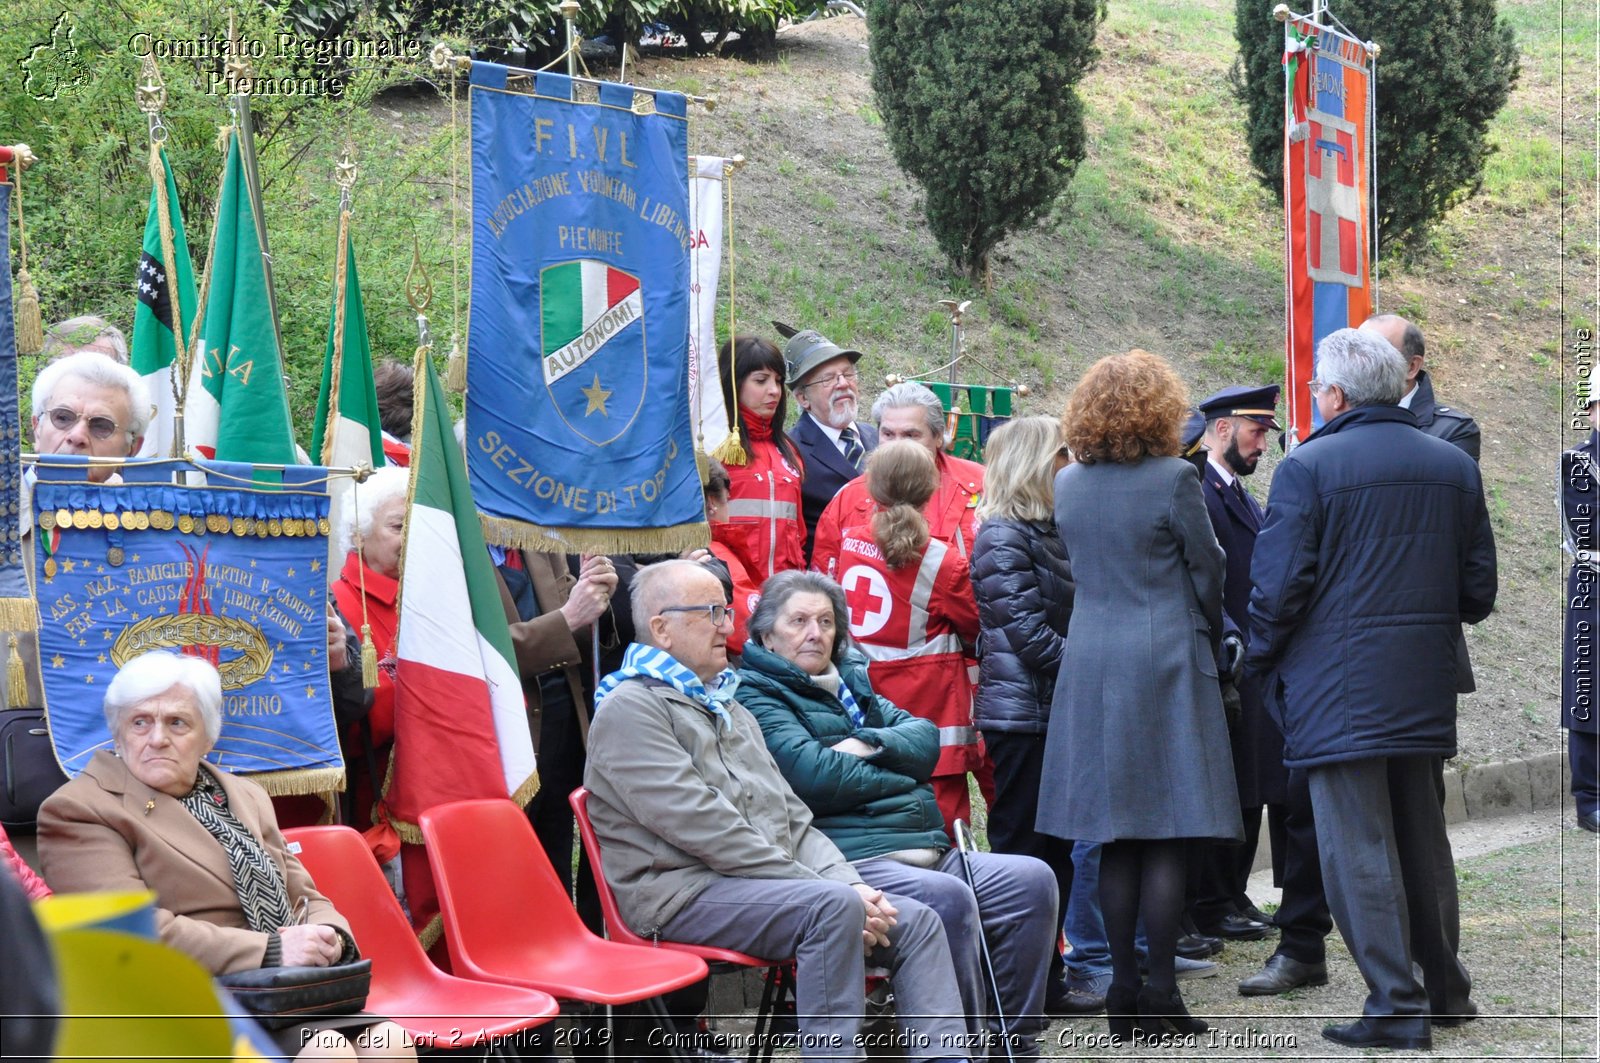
(83, 642)
(136, 618)
(161, 609)
(278, 648)
(105, 633)
(57, 661)
(101, 569)
(136, 559)
(305, 666)
(252, 562)
(311, 692)
(88, 679)
(286, 668)
(290, 573)
(101, 658)
(316, 566)
(68, 564)
(597, 397)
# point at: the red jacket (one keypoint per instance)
(912, 622)
(383, 614)
(728, 542)
(764, 493)
(951, 512)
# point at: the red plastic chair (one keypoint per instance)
(779, 980)
(440, 1010)
(507, 918)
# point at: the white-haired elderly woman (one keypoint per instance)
(368, 591)
(151, 814)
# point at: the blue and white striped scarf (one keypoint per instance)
(648, 662)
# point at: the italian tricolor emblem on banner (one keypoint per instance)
(582, 305)
(460, 725)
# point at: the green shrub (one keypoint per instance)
(980, 105)
(1446, 69)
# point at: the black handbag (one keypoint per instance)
(28, 769)
(282, 996)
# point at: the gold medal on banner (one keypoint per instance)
(80, 519)
(259, 526)
(47, 520)
(114, 556)
(63, 517)
(274, 527)
(96, 519)
(323, 526)
(186, 524)
(161, 520)
(141, 521)
(216, 522)
(241, 526)
(49, 568)
(112, 522)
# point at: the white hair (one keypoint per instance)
(152, 674)
(385, 485)
(653, 588)
(102, 372)
(908, 394)
(1363, 365)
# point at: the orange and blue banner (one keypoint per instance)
(1329, 190)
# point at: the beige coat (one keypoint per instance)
(106, 830)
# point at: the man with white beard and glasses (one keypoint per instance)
(823, 379)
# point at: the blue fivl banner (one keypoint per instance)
(578, 429)
(16, 603)
(230, 572)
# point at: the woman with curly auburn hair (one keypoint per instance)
(1137, 755)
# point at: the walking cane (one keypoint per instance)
(963, 841)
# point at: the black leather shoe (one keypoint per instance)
(1238, 927)
(1198, 946)
(1362, 1034)
(1258, 915)
(1457, 1018)
(1590, 820)
(1281, 974)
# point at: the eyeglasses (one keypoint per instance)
(846, 376)
(65, 419)
(717, 613)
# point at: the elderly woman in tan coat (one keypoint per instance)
(229, 893)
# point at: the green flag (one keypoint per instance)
(352, 435)
(165, 287)
(236, 408)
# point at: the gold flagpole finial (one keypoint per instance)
(345, 174)
(419, 288)
(237, 67)
(151, 93)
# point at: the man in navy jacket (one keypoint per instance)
(834, 445)
(1375, 549)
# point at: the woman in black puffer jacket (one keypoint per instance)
(1024, 590)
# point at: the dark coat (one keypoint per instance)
(1257, 742)
(1024, 588)
(867, 807)
(1443, 422)
(1580, 648)
(1376, 548)
(1138, 745)
(826, 469)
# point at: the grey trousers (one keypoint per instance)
(818, 922)
(1391, 885)
(1016, 897)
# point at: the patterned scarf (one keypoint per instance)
(648, 662)
(262, 894)
(833, 682)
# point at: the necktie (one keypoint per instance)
(852, 447)
(1245, 501)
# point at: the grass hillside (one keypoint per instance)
(1168, 243)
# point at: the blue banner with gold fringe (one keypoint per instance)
(230, 571)
(16, 604)
(578, 427)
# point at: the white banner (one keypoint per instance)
(708, 401)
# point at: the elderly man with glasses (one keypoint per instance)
(704, 842)
(83, 403)
(827, 386)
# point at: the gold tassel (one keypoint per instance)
(455, 370)
(731, 451)
(369, 659)
(16, 678)
(30, 326)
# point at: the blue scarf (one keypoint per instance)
(648, 662)
(852, 708)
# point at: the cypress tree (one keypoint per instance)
(981, 107)
(1446, 69)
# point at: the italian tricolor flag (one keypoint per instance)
(460, 724)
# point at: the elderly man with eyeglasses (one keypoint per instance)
(826, 384)
(704, 842)
(83, 403)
